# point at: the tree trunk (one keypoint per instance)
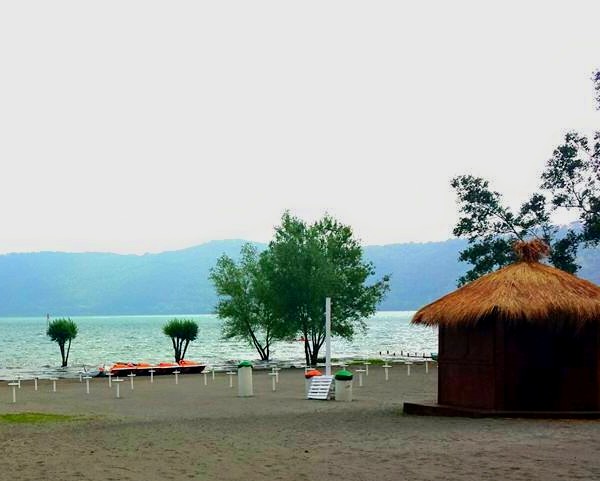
(61, 345)
(187, 343)
(68, 352)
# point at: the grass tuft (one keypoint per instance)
(33, 418)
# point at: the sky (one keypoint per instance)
(144, 126)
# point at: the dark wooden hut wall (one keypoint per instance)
(504, 366)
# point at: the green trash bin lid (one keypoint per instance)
(245, 364)
(344, 375)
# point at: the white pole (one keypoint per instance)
(328, 336)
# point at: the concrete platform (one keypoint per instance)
(433, 409)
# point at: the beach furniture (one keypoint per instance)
(308, 375)
(118, 381)
(273, 374)
(320, 387)
(275, 370)
(360, 377)
(231, 374)
(14, 385)
(386, 368)
(131, 376)
(87, 383)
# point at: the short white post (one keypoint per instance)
(426, 367)
(176, 376)
(54, 379)
(408, 364)
(35, 380)
(231, 374)
(87, 383)
(205, 378)
(151, 371)
(273, 380)
(275, 370)
(110, 375)
(19, 381)
(131, 376)
(387, 374)
(80, 376)
(213, 373)
(360, 378)
(118, 380)
(367, 364)
(14, 385)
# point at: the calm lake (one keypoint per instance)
(25, 349)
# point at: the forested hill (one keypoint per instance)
(177, 282)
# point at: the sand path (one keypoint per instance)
(165, 432)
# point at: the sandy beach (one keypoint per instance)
(164, 431)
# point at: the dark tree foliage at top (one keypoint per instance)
(491, 228)
(572, 177)
(571, 181)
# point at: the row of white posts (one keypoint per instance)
(244, 373)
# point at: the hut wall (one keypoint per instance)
(466, 372)
(551, 369)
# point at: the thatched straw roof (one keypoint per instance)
(526, 291)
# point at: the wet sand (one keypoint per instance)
(162, 431)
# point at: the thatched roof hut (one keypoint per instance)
(523, 338)
(526, 291)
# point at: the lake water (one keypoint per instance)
(26, 350)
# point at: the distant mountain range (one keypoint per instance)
(72, 284)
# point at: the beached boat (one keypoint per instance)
(143, 369)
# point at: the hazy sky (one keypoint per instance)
(136, 126)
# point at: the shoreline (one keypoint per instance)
(72, 372)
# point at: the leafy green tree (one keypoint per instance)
(181, 332)
(244, 300)
(62, 331)
(304, 264)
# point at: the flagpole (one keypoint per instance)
(328, 336)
